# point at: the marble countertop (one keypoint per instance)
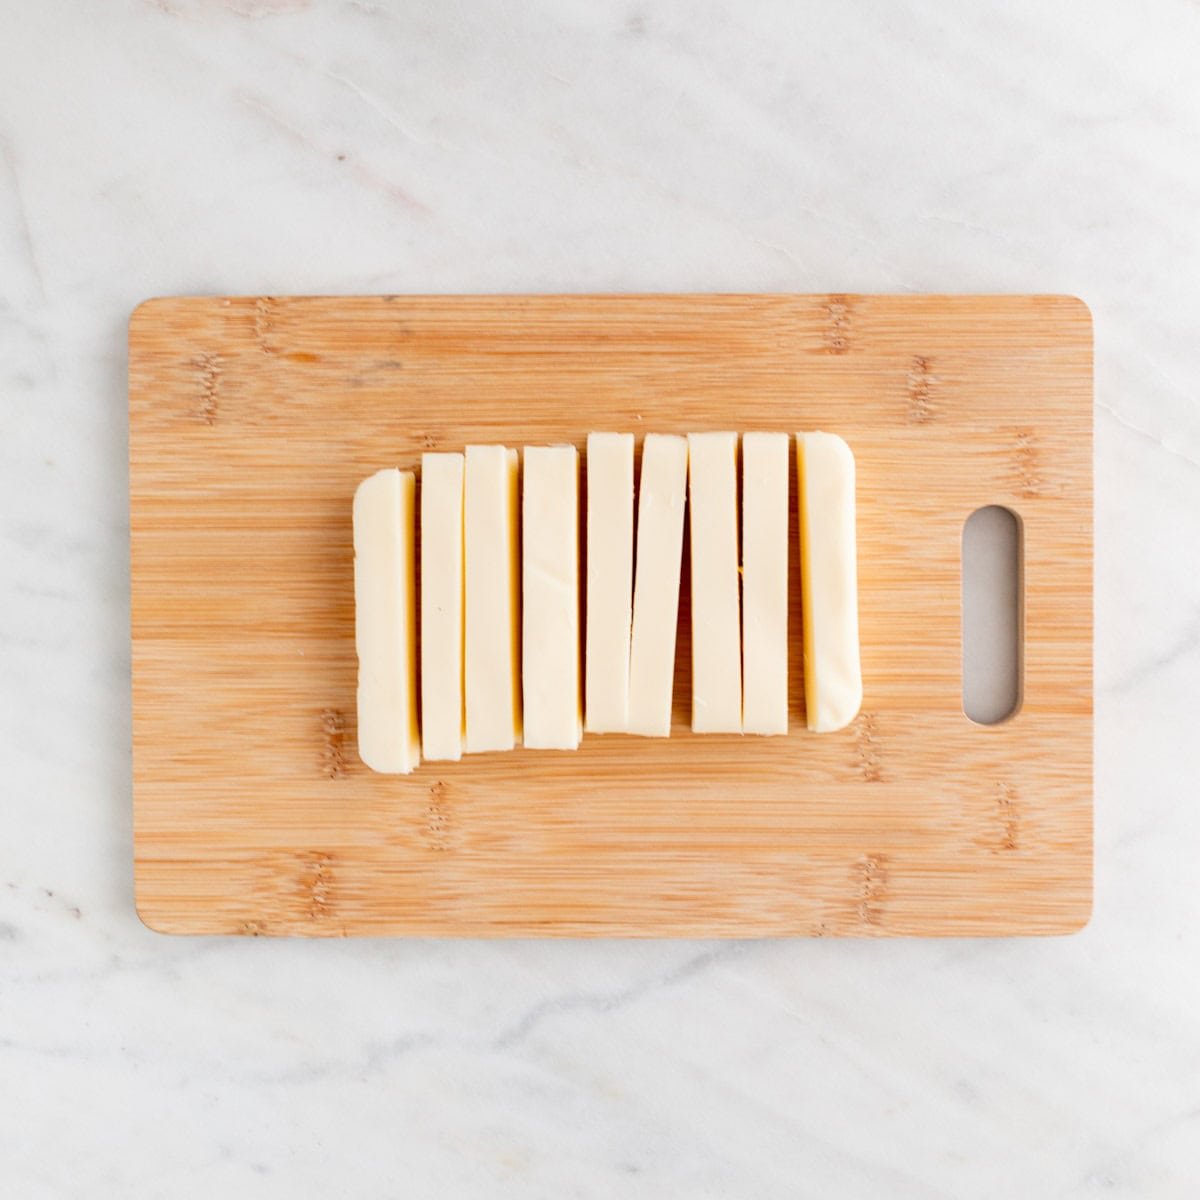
(276, 146)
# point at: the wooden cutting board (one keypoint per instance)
(251, 422)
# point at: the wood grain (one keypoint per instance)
(251, 421)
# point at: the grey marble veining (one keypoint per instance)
(165, 146)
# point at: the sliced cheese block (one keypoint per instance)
(385, 627)
(765, 471)
(492, 602)
(828, 580)
(442, 606)
(661, 499)
(716, 622)
(550, 683)
(609, 581)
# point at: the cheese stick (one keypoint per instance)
(550, 598)
(716, 620)
(661, 500)
(442, 606)
(609, 581)
(385, 629)
(829, 580)
(491, 650)
(765, 472)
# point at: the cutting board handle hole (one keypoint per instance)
(992, 606)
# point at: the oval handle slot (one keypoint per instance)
(992, 592)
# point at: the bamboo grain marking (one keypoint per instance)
(333, 743)
(837, 324)
(315, 881)
(921, 408)
(264, 324)
(1027, 461)
(871, 875)
(1009, 817)
(208, 373)
(867, 747)
(437, 817)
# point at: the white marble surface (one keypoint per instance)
(376, 145)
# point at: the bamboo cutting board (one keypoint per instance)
(251, 422)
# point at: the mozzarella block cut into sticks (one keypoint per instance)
(442, 606)
(716, 621)
(385, 625)
(609, 581)
(550, 681)
(492, 658)
(828, 580)
(661, 500)
(765, 472)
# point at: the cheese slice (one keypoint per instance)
(491, 645)
(716, 620)
(442, 606)
(765, 471)
(828, 580)
(385, 629)
(661, 499)
(609, 581)
(550, 683)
